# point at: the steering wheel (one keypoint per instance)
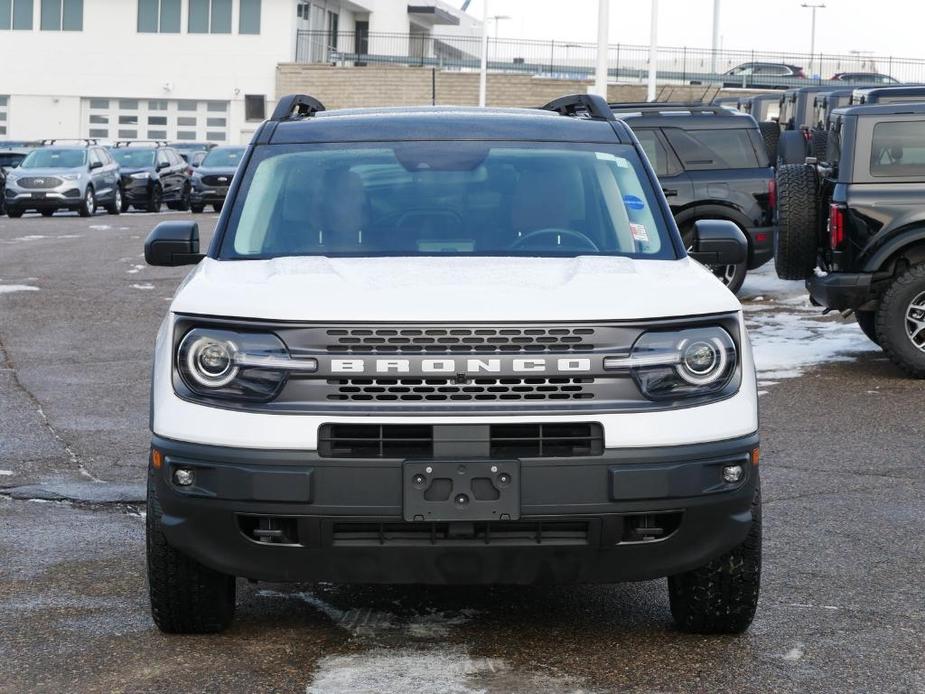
(583, 239)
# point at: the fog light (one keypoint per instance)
(183, 476)
(733, 473)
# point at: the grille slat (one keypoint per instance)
(557, 388)
(39, 182)
(213, 180)
(483, 340)
(576, 532)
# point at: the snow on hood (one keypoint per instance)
(457, 289)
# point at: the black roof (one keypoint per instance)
(691, 118)
(881, 110)
(904, 90)
(807, 90)
(445, 123)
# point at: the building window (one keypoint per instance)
(16, 14)
(159, 16)
(58, 15)
(209, 17)
(4, 105)
(249, 19)
(255, 107)
(333, 22)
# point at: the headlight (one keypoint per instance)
(143, 174)
(236, 365)
(680, 364)
(69, 177)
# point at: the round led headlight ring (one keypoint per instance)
(210, 362)
(703, 361)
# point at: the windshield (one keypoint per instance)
(50, 158)
(446, 198)
(133, 158)
(225, 158)
(8, 160)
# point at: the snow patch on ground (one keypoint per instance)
(100, 227)
(789, 335)
(794, 653)
(142, 286)
(135, 269)
(6, 473)
(10, 288)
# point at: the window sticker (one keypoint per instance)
(634, 202)
(639, 233)
(607, 156)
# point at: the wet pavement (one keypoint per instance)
(843, 597)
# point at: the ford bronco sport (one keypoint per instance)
(853, 225)
(712, 163)
(451, 346)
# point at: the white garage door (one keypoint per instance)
(4, 109)
(155, 119)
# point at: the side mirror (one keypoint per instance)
(162, 165)
(718, 242)
(173, 243)
(96, 165)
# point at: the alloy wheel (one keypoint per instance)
(915, 322)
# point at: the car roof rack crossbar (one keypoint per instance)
(296, 107)
(693, 107)
(588, 106)
(129, 143)
(87, 141)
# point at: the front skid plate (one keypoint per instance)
(461, 491)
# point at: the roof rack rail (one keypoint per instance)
(87, 141)
(589, 106)
(129, 143)
(715, 109)
(296, 107)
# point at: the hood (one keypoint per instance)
(216, 170)
(49, 171)
(454, 289)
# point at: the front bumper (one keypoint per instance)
(583, 519)
(841, 290)
(761, 245)
(136, 191)
(205, 195)
(68, 195)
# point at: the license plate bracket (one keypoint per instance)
(461, 491)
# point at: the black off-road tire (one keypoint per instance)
(820, 145)
(867, 320)
(186, 597)
(891, 321)
(770, 133)
(721, 597)
(798, 222)
(791, 148)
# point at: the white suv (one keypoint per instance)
(451, 346)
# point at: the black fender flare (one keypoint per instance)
(912, 239)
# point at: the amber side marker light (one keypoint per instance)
(756, 455)
(157, 459)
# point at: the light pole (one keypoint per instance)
(653, 53)
(715, 36)
(603, 22)
(812, 35)
(483, 71)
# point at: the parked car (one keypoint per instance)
(19, 144)
(864, 78)
(213, 177)
(186, 148)
(712, 164)
(760, 75)
(906, 94)
(795, 122)
(854, 226)
(454, 347)
(824, 103)
(152, 174)
(9, 160)
(64, 176)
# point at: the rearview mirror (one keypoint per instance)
(718, 242)
(173, 243)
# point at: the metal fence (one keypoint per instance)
(570, 60)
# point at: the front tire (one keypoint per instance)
(14, 212)
(901, 321)
(197, 209)
(186, 597)
(88, 208)
(184, 203)
(154, 200)
(217, 206)
(115, 207)
(721, 597)
(47, 213)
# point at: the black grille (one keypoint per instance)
(522, 533)
(500, 441)
(39, 182)
(440, 389)
(215, 182)
(546, 440)
(458, 340)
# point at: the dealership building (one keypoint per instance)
(187, 69)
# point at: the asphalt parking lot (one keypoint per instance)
(843, 461)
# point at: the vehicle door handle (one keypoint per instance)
(670, 192)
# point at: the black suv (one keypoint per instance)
(152, 174)
(212, 177)
(906, 94)
(854, 226)
(10, 158)
(712, 164)
(795, 122)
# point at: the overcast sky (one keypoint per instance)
(886, 27)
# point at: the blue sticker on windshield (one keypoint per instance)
(633, 202)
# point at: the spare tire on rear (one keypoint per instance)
(797, 211)
(820, 144)
(791, 148)
(770, 133)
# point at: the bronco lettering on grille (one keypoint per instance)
(467, 366)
